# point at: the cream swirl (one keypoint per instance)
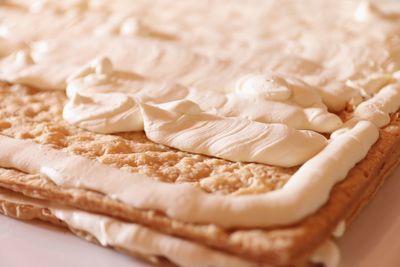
(107, 112)
(266, 98)
(378, 108)
(384, 99)
(371, 84)
(280, 98)
(104, 113)
(107, 101)
(184, 126)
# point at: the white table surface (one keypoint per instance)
(373, 240)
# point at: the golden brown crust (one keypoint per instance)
(31, 212)
(281, 246)
(37, 115)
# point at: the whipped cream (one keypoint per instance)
(371, 84)
(50, 70)
(123, 64)
(247, 97)
(107, 101)
(291, 79)
(104, 113)
(185, 126)
(378, 108)
(279, 98)
(306, 191)
(108, 30)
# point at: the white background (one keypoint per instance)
(372, 240)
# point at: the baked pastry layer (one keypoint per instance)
(292, 244)
(130, 238)
(313, 74)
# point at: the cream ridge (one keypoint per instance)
(292, 78)
(183, 125)
(201, 85)
(303, 194)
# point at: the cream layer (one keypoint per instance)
(132, 237)
(306, 191)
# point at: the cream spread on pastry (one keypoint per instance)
(306, 191)
(250, 96)
(132, 237)
(183, 125)
(383, 103)
(266, 86)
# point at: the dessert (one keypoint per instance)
(159, 131)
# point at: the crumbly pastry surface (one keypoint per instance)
(37, 115)
(142, 66)
(281, 245)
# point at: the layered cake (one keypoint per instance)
(199, 133)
